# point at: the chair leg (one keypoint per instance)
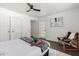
(60, 44)
(63, 47)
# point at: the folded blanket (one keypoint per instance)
(26, 39)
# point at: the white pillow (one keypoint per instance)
(71, 36)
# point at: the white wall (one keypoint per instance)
(25, 19)
(71, 23)
(12, 13)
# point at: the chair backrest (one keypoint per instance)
(68, 34)
(78, 40)
(75, 42)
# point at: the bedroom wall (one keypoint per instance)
(26, 18)
(71, 23)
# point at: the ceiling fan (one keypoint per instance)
(32, 8)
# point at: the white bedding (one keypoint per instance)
(19, 48)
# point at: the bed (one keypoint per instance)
(19, 47)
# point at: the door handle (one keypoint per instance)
(8, 31)
(13, 31)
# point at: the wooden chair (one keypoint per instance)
(62, 39)
(72, 45)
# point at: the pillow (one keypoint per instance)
(68, 34)
(71, 36)
(40, 43)
(26, 39)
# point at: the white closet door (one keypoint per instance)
(15, 27)
(26, 27)
(4, 27)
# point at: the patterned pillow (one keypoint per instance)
(39, 43)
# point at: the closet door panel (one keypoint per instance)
(15, 27)
(26, 27)
(4, 27)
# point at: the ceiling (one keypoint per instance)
(46, 8)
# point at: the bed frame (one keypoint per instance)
(47, 53)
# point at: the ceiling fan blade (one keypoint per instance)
(29, 4)
(36, 9)
(31, 7)
(28, 10)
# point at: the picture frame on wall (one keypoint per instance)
(56, 22)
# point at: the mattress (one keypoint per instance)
(19, 48)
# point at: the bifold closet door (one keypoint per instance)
(15, 28)
(26, 27)
(4, 27)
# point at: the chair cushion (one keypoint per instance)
(68, 34)
(71, 37)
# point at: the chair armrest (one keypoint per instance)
(60, 38)
(66, 43)
(67, 40)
